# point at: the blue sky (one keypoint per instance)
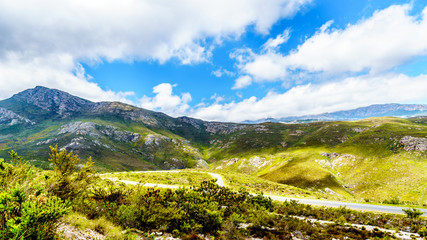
(219, 60)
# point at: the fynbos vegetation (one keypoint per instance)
(33, 202)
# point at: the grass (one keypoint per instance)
(181, 178)
(297, 167)
(100, 225)
(256, 185)
(402, 175)
(378, 169)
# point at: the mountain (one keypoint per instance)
(118, 136)
(375, 159)
(377, 110)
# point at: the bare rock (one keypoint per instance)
(155, 140)
(201, 163)
(414, 143)
(92, 129)
(359, 130)
(70, 232)
(330, 155)
(10, 118)
(80, 128)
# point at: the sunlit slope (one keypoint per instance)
(375, 159)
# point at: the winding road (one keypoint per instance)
(220, 182)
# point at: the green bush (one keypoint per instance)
(67, 182)
(26, 210)
(412, 213)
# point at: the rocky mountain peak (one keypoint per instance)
(52, 100)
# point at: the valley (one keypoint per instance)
(371, 160)
(372, 164)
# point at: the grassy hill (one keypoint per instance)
(376, 159)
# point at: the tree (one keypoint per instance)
(67, 183)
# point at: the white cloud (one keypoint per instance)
(242, 82)
(273, 43)
(266, 67)
(131, 29)
(54, 71)
(269, 66)
(387, 39)
(165, 101)
(217, 98)
(36, 33)
(223, 72)
(314, 99)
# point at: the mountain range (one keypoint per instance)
(376, 110)
(376, 158)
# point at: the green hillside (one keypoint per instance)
(376, 159)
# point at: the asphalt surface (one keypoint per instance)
(355, 206)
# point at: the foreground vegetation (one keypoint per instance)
(34, 202)
(179, 178)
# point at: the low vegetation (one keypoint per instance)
(34, 203)
(179, 178)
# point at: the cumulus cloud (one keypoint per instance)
(132, 29)
(387, 39)
(268, 66)
(55, 71)
(242, 82)
(34, 33)
(167, 102)
(350, 93)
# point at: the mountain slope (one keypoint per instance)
(377, 158)
(377, 110)
(41, 117)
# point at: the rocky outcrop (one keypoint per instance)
(338, 159)
(122, 136)
(330, 155)
(92, 129)
(193, 122)
(124, 110)
(359, 130)
(10, 118)
(297, 133)
(53, 100)
(155, 140)
(201, 163)
(77, 144)
(174, 163)
(51, 140)
(414, 143)
(222, 128)
(80, 128)
(258, 162)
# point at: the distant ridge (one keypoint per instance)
(376, 110)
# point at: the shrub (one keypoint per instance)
(67, 183)
(423, 232)
(26, 211)
(412, 213)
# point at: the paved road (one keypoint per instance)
(219, 180)
(356, 206)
